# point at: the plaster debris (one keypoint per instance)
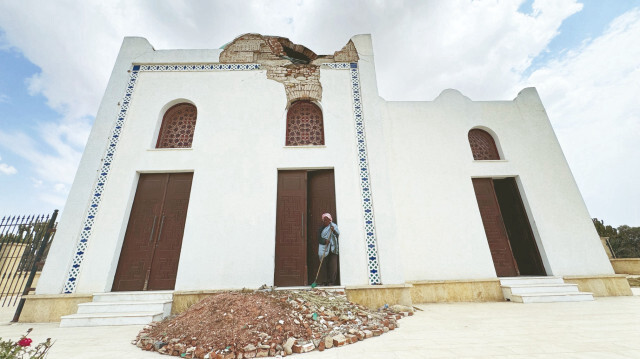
(235, 325)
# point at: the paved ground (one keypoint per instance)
(605, 328)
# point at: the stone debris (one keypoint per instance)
(236, 325)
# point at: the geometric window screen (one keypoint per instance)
(304, 124)
(482, 145)
(178, 125)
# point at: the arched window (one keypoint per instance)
(482, 145)
(178, 125)
(304, 124)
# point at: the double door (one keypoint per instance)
(151, 249)
(513, 247)
(303, 196)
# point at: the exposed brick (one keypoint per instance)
(351, 338)
(303, 348)
(339, 340)
(347, 54)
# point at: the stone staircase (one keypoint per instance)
(121, 308)
(541, 290)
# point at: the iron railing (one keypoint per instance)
(24, 245)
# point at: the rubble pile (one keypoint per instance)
(235, 325)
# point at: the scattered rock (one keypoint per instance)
(288, 345)
(321, 346)
(328, 342)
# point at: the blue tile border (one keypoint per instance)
(103, 173)
(373, 267)
(198, 67)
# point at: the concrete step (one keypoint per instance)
(163, 306)
(104, 319)
(520, 281)
(539, 288)
(133, 296)
(552, 297)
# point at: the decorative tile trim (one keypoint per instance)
(197, 67)
(363, 164)
(114, 138)
(339, 65)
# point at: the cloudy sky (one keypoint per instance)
(583, 56)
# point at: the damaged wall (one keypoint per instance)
(293, 65)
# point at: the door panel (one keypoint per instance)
(171, 230)
(523, 243)
(144, 220)
(494, 228)
(322, 199)
(152, 243)
(291, 243)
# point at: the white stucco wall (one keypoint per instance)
(432, 166)
(428, 224)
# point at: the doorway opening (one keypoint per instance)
(303, 196)
(153, 240)
(507, 227)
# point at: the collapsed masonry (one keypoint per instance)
(248, 324)
(293, 65)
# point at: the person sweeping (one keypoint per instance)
(328, 249)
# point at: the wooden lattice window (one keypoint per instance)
(178, 125)
(304, 124)
(482, 145)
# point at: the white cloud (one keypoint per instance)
(36, 182)
(55, 200)
(57, 166)
(60, 187)
(591, 96)
(7, 170)
(4, 98)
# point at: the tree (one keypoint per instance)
(624, 241)
(604, 231)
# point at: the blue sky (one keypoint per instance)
(580, 55)
(21, 112)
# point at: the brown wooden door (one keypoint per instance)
(145, 261)
(494, 228)
(322, 199)
(291, 236)
(164, 265)
(514, 216)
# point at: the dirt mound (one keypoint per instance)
(265, 323)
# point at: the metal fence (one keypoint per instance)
(24, 244)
